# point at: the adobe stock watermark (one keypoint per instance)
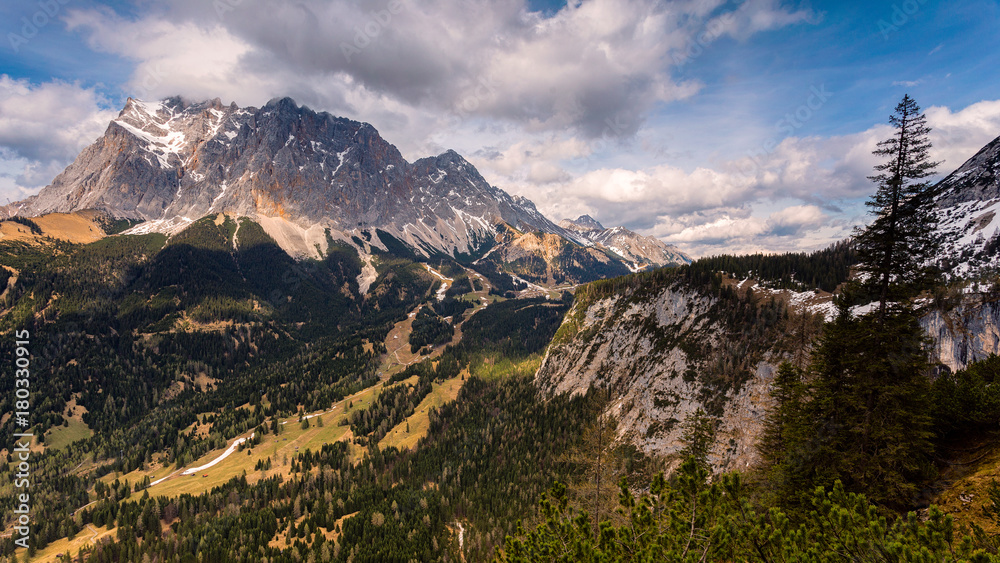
(292, 277)
(152, 77)
(786, 126)
(31, 25)
(697, 45)
(616, 128)
(371, 30)
(21, 452)
(482, 92)
(479, 93)
(902, 14)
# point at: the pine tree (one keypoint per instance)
(698, 437)
(783, 419)
(868, 419)
(896, 248)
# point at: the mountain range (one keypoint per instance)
(436, 365)
(303, 175)
(968, 202)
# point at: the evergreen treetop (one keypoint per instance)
(896, 249)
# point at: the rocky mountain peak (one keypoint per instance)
(977, 179)
(300, 173)
(582, 223)
(171, 162)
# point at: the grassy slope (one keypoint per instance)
(291, 439)
(967, 493)
(419, 422)
(88, 536)
(59, 437)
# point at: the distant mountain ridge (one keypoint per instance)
(173, 162)
(637, 251)
(296, 172)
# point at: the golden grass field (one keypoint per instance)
(280, 448)
(419, 421)
(78, 227)
(88, 536)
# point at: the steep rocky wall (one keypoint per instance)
(650, 350)
(966, 333)
(649, 353)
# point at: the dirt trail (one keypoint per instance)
(397, 343)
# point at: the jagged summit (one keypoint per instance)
(582, 223)
(638, 252)
(977, 179)
(173, 161)
(305, 176)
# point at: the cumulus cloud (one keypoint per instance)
(957, 135)
(49, 121)
(596, 67)
(536, 98)
(42, 128)
(816, 178)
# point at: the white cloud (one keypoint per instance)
(595, 67)
(957, 135)
(42, 128)
(49, 121)
(704, 208)
(536, 102)
(197, 61)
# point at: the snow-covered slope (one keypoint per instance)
(969, 215)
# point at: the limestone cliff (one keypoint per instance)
(665, 347)
(965, 333)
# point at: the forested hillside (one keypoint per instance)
(205, 396)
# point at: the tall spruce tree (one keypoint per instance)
(897, 247)
(698, 437)
(869, 419)
(861, 412)
(781, 428)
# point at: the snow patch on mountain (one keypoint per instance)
(968, 214)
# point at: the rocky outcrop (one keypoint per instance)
(664, 353)
(665, 350)
(966, 333)
(551, 260)
(638, 252)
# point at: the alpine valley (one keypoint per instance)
(260, 334)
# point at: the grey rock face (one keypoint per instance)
(612, 343)
(644, 350)
(582, 223)
(638, 252)
(968, 333)
(977, 179)
(172, 162)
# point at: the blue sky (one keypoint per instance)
(671, 118)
